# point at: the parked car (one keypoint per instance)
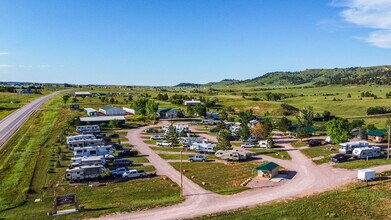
(114, 136)
(118, 172)
(133, 174)
(197, 158)
(157, 137)
(122, 162)
(314, 143)
(248, 145)
(194, 122)
(117, 146)
(339, 158)
(151, 130)
(127, 153)
(164, 144)
(213, 130)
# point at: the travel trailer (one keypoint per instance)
(80, 137)
(84, 172)
(367, 152)
(82, 161)
(88, 129)
(231, 155)
(93, 151)
(85, 143)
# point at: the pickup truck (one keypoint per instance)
(133, 174)
(118, 172)
(197, 158)
(248, 145)
(164, 144)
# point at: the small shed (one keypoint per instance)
(376, 135)
(268, 169)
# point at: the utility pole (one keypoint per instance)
(180, 168)
(388, 150)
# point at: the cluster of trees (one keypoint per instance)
(388, 95)
(197, 110)
(162, 97)
(368, 94)
(273, 96)
(378, 110)
(7, 89)
(145, 106)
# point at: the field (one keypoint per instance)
(227, 178)
(361, 164)
(356, 201)
(280, 154)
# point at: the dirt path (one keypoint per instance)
(309, 179)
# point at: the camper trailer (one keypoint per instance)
(82, 161)
(88, 129)
(84, 172)
(367, 152)
(264, 144)
(348, 147)
(203, 148)
(179, 128)
(93, 151)
(85, 143)
(80, 137)
(231, 155)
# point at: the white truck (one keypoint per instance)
(84, 172)
(133, 174)
(164, 144)
(197, 158)
(366, 152)
(81, 161)
(231, 155)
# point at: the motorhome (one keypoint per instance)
(85, 143)
(348, 147)
(80, 137)
(191, 140)
(84, 172)
(231, 155)
(367, 152)
(264, 144)
(93, 151)
(203, 147)
(82, 161)
(88, 128)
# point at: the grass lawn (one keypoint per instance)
(169, 149)
(360, 164)
(321, 151)
(175, 156)
(220, 178)
(298, 144)
(356, 201)
(147, 141)
(139, 159)
(280, 154)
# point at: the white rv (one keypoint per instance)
(231, 155)
(178, 127)
(367, 152)
(85, 143)
(80, 137)
(82, 161)
(203, 147)
(93, 151)
(84, 172)
(348, 147)
(88, 128)
(264, 144)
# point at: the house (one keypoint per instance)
(101, 119)
(192, 102)
(24, 91)
(82, 94)
(110, 110)
(91, 112)
(129, 110)
(376, 135)
(168, 112)
(268, 170)
(214, 116)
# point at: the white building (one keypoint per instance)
(129, 110)
(83, 94)
(192, 102)
(91, 112)
(109, 110)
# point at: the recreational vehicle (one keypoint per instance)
(88, 128)
(231, 155)
(348, 147)
(367, 152)
(85, 143)
(80, 137)
(84, 172)
(93, 151)
(82, 161)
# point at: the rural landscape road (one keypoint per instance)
(10, 124)
(309, 179)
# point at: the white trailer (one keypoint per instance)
(366, 175)
(85, 143)
(81, 161)
(348, 147)
(84, 172)
(367, 152)
(80, 137)
(231, 155)
(264, 144)
(93, 151)
(204, 147)
(88, 128)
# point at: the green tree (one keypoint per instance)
(223, 115)
(112, 100)
(357, 123)
(200, 110)
(283, 124)
(244, 131)
(140, 105)
(220, 125)
(151, 108)
(306, 116)
(223, 140)
(65, 98)
(172, 135)
(338, 130)
(301, 132)
(246, 116)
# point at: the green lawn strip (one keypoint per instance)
(175, 156)
(169, 149)
(148, 168)
(298, 144)
(220, 178)
(356, 201)
(321, 151)
(150, 141)
(139, 159)
(280, 154)
(361, 164)
(132, 195)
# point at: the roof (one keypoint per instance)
(89, 110)
(106, 107)
(102, 118)
(267, 167)
(82, 93)
(377, 132)
(164, 110)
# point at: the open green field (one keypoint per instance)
(175, 156)
(361, 164)
(280, 154)
(168, 149)
(33, 166)
(320, 151)
(219, 178)
(357, 201)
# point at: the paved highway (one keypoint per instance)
(10, 124)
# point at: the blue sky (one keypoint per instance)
(168, 42)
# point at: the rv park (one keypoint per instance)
(180, 153)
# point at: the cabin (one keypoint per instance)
(376, 135)
(268, 170)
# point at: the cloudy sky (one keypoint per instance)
(168, 42)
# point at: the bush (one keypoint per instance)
(378, 110)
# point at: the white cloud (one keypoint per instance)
(3, 53)
(372, 14)
(24, 66)
(5, 66)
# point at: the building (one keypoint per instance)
(192, 102)
(129, 110)
(168, 113)
(376, 135)
(91, 112)
(101, 119)
(82, 94)
(110, 110)
(268, 170)
(23, 91)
